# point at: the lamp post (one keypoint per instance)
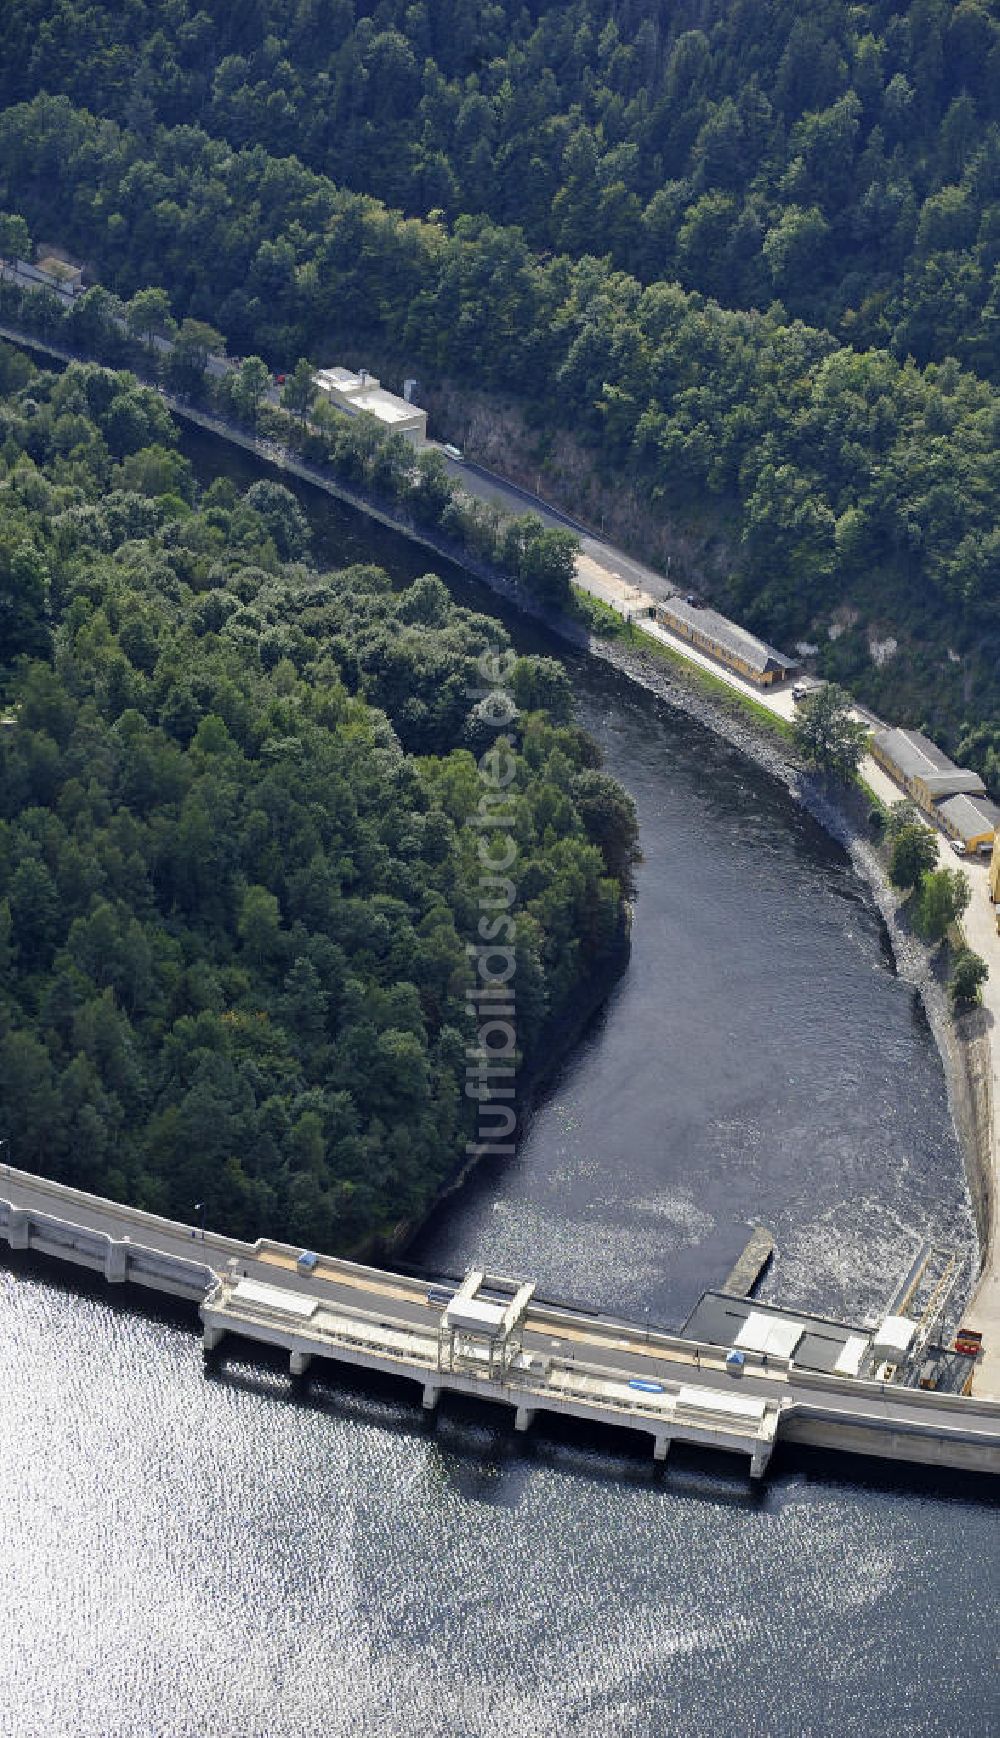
(199, 1208)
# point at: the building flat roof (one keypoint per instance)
(894, 1334)
(385, 405)
(717, 1319)
(853, 1356)
(776, 1335)
(727, 635)
(345, 378)
(366, 392)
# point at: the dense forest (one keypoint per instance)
(240, 825)
(788, 341)
(843, 159)
(745, 258)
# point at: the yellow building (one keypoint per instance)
(924, 770)
(971, 821)
(951, 795)
(725, 641)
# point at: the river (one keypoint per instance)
(238, 1554)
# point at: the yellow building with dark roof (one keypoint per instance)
(726, 641)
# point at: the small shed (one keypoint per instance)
(774, 1336)
(62, 273)
(892, 1339)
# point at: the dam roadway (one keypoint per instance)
(506, 1345)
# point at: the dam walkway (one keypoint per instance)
(493, 1338)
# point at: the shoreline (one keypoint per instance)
(963, 1047)
(559, 1041)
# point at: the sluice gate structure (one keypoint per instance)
(494, 1339)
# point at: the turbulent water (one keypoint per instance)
(233, 1553)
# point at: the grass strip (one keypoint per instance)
(603, 620)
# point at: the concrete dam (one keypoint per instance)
(752, 1375)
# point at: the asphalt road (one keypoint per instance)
(486, 486)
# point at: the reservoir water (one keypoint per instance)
(235, 1553)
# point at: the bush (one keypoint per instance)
(944, 895)
(914, 853)
(969, 974)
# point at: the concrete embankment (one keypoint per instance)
(747, 1273)
(119, 1259)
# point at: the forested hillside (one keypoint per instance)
(747, 257)
(239, 839)
(858, 492)
(843, 159)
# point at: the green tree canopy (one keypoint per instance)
(827, 734)
(148, 315)
(914, 853)
(944, 895)
(969, 974)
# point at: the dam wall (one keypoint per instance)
(574, 1362)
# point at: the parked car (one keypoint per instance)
(957, 847)
(799, 691)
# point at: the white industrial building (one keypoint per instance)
(354, 393)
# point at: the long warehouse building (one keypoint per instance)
(953, 796)
(726, 641)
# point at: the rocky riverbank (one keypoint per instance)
(963, 1043)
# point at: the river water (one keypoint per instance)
(233, 1553)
